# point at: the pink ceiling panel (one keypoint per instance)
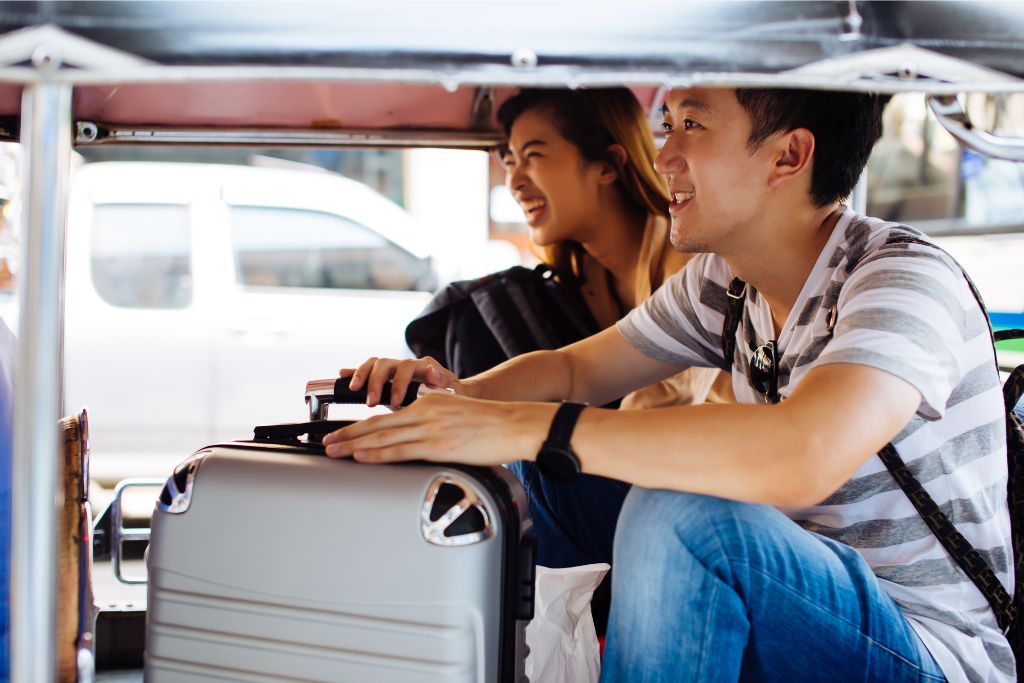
(10, 99)
(299, 105)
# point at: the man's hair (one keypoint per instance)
(845, 126)
(592, 119)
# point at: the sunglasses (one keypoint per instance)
(764, 372)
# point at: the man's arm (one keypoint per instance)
(795, 453)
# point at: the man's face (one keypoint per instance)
(717, 186)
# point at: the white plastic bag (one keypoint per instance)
(562, 640)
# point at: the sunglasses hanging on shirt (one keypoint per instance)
(764, 372)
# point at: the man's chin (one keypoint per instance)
(685, 243)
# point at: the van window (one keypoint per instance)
(281, 247)
(141, 255)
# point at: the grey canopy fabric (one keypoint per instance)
(639, 36)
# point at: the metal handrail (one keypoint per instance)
(952, 116)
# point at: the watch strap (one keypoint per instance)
(556, 459)
(563, 423)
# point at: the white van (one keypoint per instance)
(244, 282)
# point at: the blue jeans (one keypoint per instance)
(574, 523)
(713, 590)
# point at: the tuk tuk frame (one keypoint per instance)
(73, 73)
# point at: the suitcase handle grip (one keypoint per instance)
(321, 393)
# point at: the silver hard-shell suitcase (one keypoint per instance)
(270, 562)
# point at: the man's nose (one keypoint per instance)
(669, 159)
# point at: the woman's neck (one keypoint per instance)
(615, 244)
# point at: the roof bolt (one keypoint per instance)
(86, 131)
(46, 58)
(852, 24)
(524, 58)
(908, 71)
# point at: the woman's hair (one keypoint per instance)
(592, 120)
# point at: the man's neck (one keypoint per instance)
(777, 257)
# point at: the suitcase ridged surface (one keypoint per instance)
(294, 567)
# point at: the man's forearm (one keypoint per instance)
(795, 453)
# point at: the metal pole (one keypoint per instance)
(36, 467)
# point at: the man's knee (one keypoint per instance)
(658, 525)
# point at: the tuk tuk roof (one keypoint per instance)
(431, 69)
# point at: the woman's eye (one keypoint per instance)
(690, 124)
(666, 127)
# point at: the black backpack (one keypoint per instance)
(473, 325)
(1009, 610)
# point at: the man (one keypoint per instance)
(765, 541)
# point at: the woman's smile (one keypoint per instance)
(534, 208)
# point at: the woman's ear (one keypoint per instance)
(610, 170)
(795, 154)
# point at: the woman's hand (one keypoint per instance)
(441, 427)
(376, 371)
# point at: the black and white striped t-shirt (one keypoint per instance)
(905, 309)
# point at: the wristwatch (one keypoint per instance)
(555, 458)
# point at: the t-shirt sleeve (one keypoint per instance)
(681, 323)
(909, 312)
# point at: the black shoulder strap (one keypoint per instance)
(1013, 333)
(734, 298)
(953, 541)
(959, 548)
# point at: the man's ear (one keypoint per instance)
(795, 152)
(610, 170)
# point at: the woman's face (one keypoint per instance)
(557, 189)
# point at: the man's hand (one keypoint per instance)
(441, 427)
(376, 371)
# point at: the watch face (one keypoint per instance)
(558, 464)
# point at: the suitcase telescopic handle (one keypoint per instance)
(321, 393)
